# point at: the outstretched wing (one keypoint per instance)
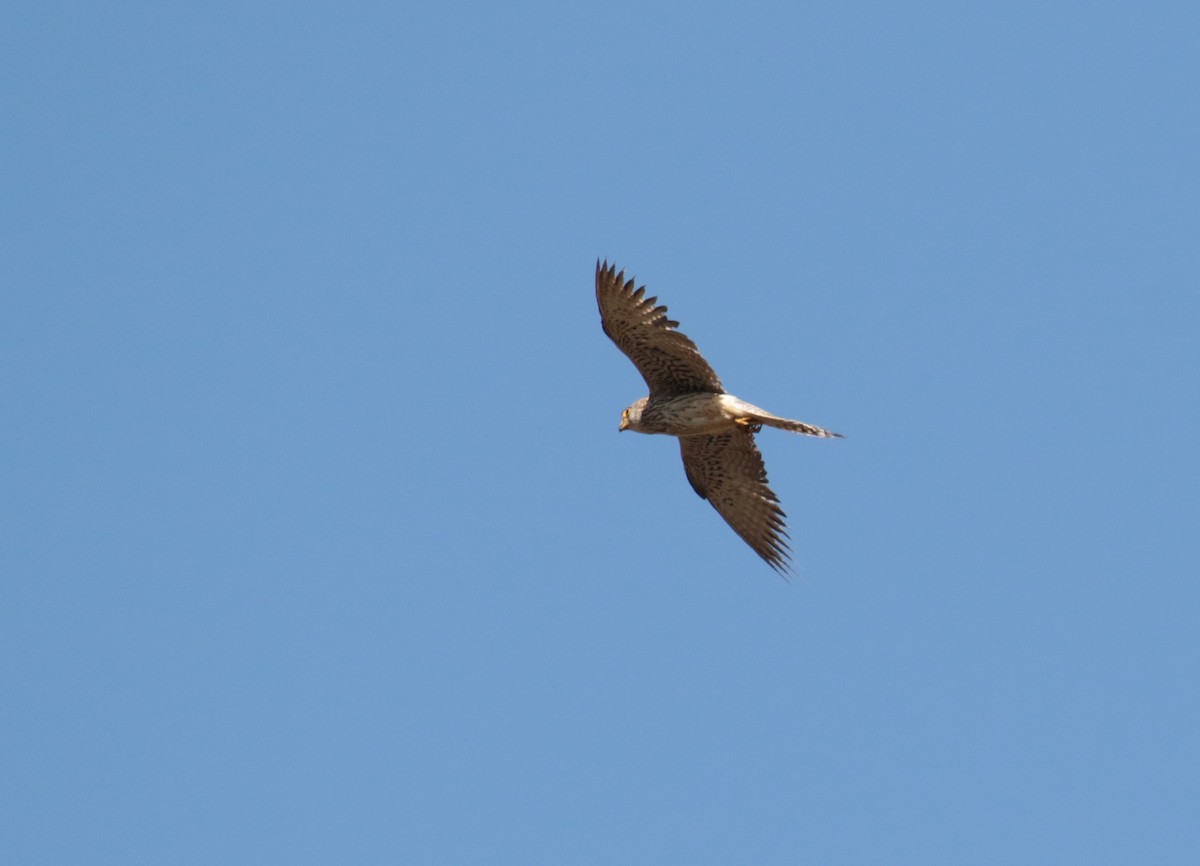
(668, 361)
(728, 471)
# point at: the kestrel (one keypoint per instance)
(715, 429)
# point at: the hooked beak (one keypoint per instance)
(624, 425)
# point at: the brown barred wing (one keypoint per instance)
(729, 472)
(668, 361)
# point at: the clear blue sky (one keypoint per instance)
(320, 544)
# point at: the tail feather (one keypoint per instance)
(794, 426)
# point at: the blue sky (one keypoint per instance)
(320, 542)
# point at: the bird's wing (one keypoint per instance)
(668, 361)
(728, 471)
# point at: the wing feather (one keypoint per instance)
(668, 361)
(729, 472)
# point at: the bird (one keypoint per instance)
(715, 429)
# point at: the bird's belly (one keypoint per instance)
(688, 415)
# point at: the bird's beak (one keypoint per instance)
(624, 425)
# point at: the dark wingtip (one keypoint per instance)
(782, 563)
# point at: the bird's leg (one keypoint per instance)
(749, 423)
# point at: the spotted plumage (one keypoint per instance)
(715, 429)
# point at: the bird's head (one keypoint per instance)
(631, 418)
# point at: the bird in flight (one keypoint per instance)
(715, 429)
